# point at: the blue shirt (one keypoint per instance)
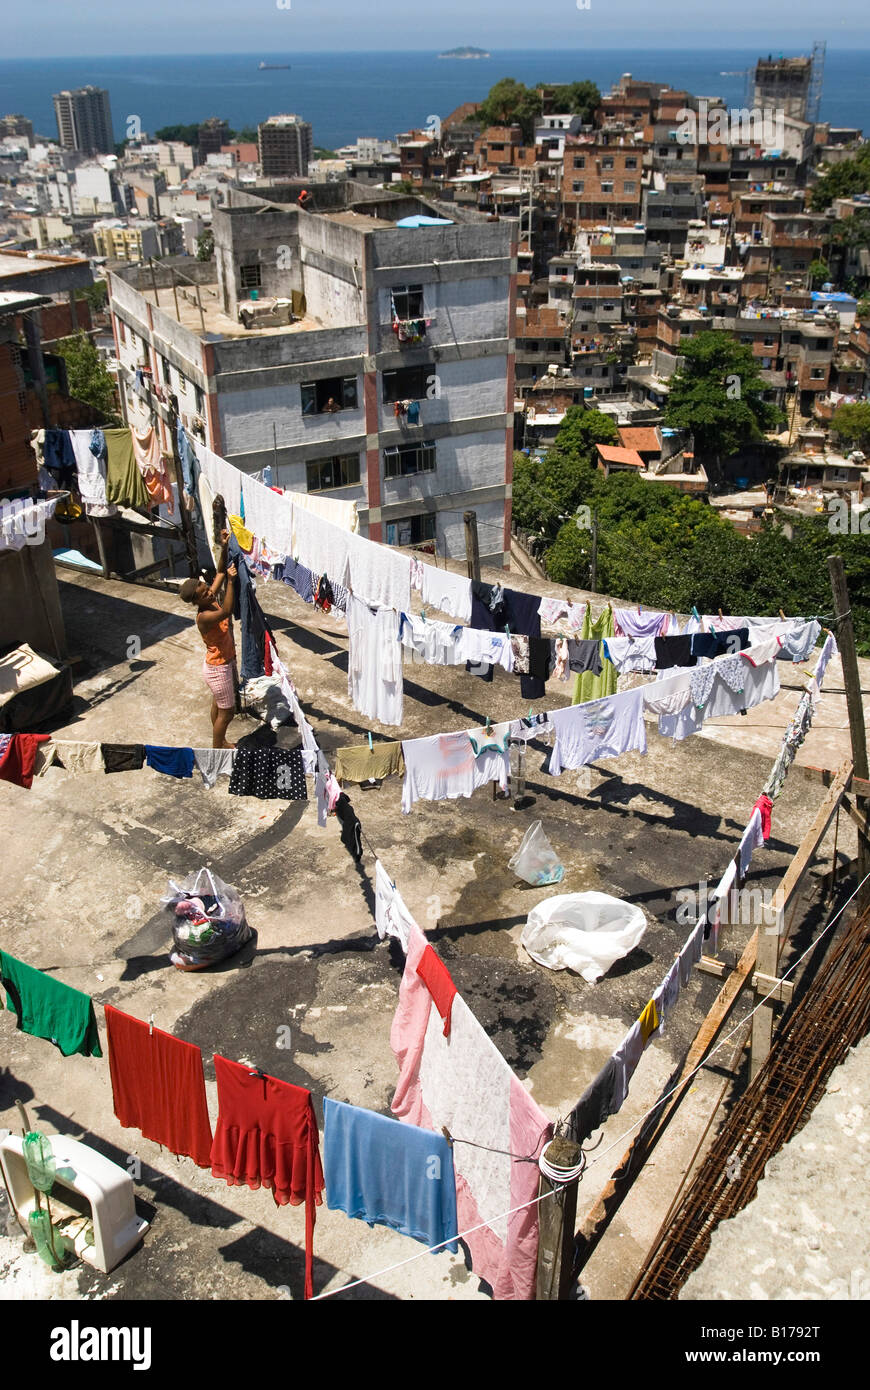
(389, 1173)
(175, 762)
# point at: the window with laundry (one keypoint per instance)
(407, 459)
(409, 383)
(408, 301)
(411, 530)
(342, 470)
(329, 394)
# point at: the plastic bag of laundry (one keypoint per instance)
(536, 861)
(208, 920)
(586, 932)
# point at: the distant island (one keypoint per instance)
(465, 53)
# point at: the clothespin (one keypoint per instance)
(782, 615)
(530, 712)
(507, 629)
(695, 613)
(423, 614)
(447, 1135)
(487, 723)
(151, 1026)
(370, 743)
(720, 612)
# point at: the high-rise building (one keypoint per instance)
(16, 125)
(84, 120)
(212, 134)
(783, 84)
(284, 144)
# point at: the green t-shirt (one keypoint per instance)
(46, 1008)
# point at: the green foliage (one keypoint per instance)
(320, 153)
(510, 102)
(841, 180)
(96, 294)
(863, 310)
(248, 135)
(179, 134)
(852, 424)
(205, 245)
(718, 396)
(819, 273)
(546, 491)
(89, 381)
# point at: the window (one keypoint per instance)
(817, 373)
(340, 471)
(607, 186)
(628, 185)
(199, 399)
(409, 383)
(249, 277)
(579, 161)
(631, 162)
(769, 342)
(408, 301)
(407, 459)
(577, 185)
(164, 370)
(122, 333)
(329, 394)
(411, 530)
(182, 384)
(607, 162)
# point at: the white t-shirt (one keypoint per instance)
(446, 766)
(630, 654)
(446, 592)
(433, 642)
(598, 729)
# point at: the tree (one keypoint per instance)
(88, 379)
(717, 395)
(842, 180)
(182, 134)
(320, 153)
(95, 294)
(863, 311)
(509, 102)
(547, 491)
(248, 135)
(819, 274)
(852, 424)
(205, 245)
(580, 98)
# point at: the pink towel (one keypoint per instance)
(463, 1083)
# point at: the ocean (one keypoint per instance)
(381, 94)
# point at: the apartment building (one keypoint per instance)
(84, 120)
(284, 145)
(601, 179)
(392, 386)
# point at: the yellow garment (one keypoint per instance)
(649, 1021)
(244, 537)
(359, 764)
(587, 686)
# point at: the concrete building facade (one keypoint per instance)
(84, 120)
(284, 145)
(415, 431)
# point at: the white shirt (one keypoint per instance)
(392, 917)
(374, 670)
(445, 767)
(434, 642)
(761, 682)
(598, 729)
(446, 592)
(631, 653)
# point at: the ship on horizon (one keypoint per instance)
(273, 67)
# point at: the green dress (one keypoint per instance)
(125, 485)
(46, 1008)
(587, 686)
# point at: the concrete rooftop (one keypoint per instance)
(217, 323)
(94, 853)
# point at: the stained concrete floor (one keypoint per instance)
(94, 854)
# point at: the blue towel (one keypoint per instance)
(175, 762)
(389, 1174)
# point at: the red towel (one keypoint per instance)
(436, 977)
(266, 1136)
(765, 806)
(267, 655)
(20, 757)
(158, 1086)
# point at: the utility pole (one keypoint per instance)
(472, 550)
(845, 635)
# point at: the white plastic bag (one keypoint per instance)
(586, 932)
(536, 861)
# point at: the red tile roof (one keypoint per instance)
(629, 457)
(644, 440)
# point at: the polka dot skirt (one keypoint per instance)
(270, 774)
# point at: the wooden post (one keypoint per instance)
(593, 580)
(845, 633)
(472, 550)
(557, 1215)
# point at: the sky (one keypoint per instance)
(102, 27)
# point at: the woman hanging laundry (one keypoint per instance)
(214, 621)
